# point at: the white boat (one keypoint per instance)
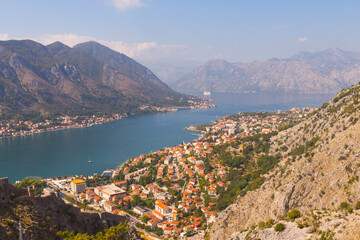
(207, 93)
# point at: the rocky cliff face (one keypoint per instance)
(323, 72)
(43, 217)
(318, 171)
(87, 78)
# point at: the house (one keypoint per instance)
(175, 223)
(126, 170)
(168, 230)
(211, 216)
(162, 208)
(188, 227)
(140, 210)
(109, 206)
(153, 220)
(143, 196)
(187, 209)
(173, 217)
(110, 192)
(196, 225)
(168, 160)
(176, 230)
(159, 215)
(82, 195)
(212, 204)
(175, 186)
(161, 225)
(221, 184)
(212, 191)
(135, 192)
(121, 184)
(90, 193)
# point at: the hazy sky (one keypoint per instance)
(181, 30)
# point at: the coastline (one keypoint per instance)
(130, 158)
(62, 128)
(128, 161)
(119, 117)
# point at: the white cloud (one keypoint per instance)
(130, 49)
(142, 51)
(303, 39)
(4, 36)
(123, 5)
(67, 38)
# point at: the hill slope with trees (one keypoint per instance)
(317, 174)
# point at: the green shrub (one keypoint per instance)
(279, 227)
(357, 206)
(293, 214)
(325, 105)
(344, 205)
(261, 225)
(303, 225)
(269, 223)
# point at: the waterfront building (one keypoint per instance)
(78, 186)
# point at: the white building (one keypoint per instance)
(78, 186)
(109, 192)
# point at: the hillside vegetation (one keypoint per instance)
(317, 174)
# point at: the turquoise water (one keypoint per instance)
(66, 152)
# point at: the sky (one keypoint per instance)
(180, 31)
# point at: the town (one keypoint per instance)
(173, 191)
(13, 127)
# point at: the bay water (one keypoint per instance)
(67, 152)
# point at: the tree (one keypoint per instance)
(344, 205)
(158, 231)
(145, 219)
(136, 201)
(279, 227)
(293, 214)
(38, 184)
(118, 232)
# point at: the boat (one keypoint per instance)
(89, 161)
(207, 93)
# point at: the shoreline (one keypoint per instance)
(129, 160)
(200, 136)
(61, 129)
(122, 116)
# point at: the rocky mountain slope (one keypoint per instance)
(43, 217)
(86, 78)
(323, 72)
(318, 175)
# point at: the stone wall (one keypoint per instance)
(4, 190)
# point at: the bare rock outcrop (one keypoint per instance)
(319, 170)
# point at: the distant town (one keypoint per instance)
(12, 128)
(173, 191)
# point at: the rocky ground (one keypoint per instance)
(319, 171)
(43, 217)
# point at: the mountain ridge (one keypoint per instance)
(324, 72)
(86, 78)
